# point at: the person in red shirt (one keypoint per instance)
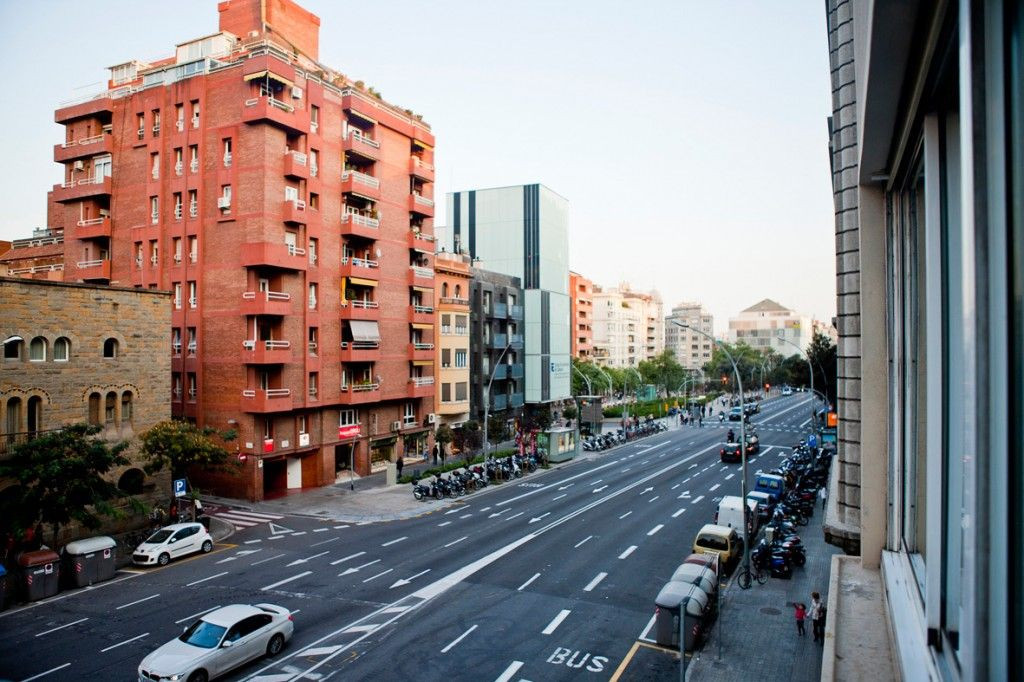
(800, 610)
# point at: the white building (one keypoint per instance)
(523, 231)
(770, 325)
(691, 349)
(628, 326)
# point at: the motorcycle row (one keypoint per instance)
(604, 441)
(466, 480)
(780, 547)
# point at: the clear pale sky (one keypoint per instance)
(690, 137)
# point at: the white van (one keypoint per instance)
(730, 513)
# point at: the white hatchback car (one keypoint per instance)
(171, 542)
(218, 642)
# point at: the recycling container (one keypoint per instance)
(701, 576)
(40, 571)
(708, 560)
(668, 602)
(90, 560)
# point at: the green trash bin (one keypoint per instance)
(40, 571)
(89, 561)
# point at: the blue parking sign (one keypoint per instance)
(179, 487)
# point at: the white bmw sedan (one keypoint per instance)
(218, 642)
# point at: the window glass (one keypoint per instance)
(37, 349)
(202, 634)
(110, 348)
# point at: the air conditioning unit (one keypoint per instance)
(431, 418)
(396, 426)
(296, 92)
(223, 202)
(78, 165)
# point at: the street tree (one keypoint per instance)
(497, 427)
(822, 353)
(180, 445)
(62, 477)
(663, 370)
(443, 435)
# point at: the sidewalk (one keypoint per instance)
(757, 626)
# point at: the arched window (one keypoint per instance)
(13, 424)
(12, 348)
(110, 408)
(110, 348)
(458, 291)
(94, 408)
(35, 414)
(126, 407)
(444, 290)
(37, 349)
(62, 350)
(131, 481)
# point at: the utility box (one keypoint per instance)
(666, 625)
(90, 560)
(40, 571)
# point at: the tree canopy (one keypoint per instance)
(179, 445)
(664, 371)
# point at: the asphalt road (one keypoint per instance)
(551, 577)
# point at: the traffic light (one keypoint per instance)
(725, 379)
(767, 387)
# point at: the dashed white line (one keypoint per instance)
(514, 516)
(196, 615)
(61, 667)
(444, 524)
(286, 580)
(655, 529)
(344, 559)
(676, 486)
(114, 646)
(715, 487)
(625, 515)
(697, 499)
(559, 497)
(629, 550)
(510, 671)
(203, 580)
(457, 640)
(137, 601)
(323, 542)
(455, 542)
(61, 627)
(729, 476)
(374, 577)
(263, 561)
(593, 583)
(395, 542)
(654, 498)
(466, 516)
(676, 515)
(320, 530)
(555, 622)
(524, 585)
(581, 542)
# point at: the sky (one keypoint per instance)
(689, 137)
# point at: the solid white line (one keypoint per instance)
(61, 627)
(253, 542)
(650, 624)
(582, 541)
(394, 542)
(133, 603)
(455, 542)
(441, 525)
(555, 622)
(374, 577)
(523, 586)
(323, 542)
(625, 515)
(629, 551)
(350, 556)
(196, 615)
(103, 651)
(715, 487)
(263, 561)
(510, 671)
(593, 583)
(697, 499)
(805, 423)
(51, 670)
(457, 640)
(286, 580)
(203, 580)
(679, 512)
(655, 529)
(466, 516)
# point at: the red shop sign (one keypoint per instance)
(351, 431)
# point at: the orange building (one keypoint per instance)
(285, 207)
(582, 311)
(453, 277)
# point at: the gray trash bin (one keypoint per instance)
(701, 576)
(40, 572)
(666, 625)
(89, 561)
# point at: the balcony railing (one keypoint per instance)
(272, 101)
(448, 300)
(423, 346)
(250, 344)
(423, 309)
(360, 345)
(421, 381)
(83, 264)
(426, 273)
(358, 136)
(422, 200)
(297, 157)
(361, 178)
(359, 219)
(361, 388)
(359, 262)
(360, 303)
(36, 269)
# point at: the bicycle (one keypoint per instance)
(745, 577)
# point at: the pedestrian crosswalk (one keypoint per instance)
(245, 519)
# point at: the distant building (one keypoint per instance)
(453, 279)
(40, 256)
(496, 344)
(76, 353)
(523, 231)
(767, 324)
(691, 349)
(581, 308)
(628, 326)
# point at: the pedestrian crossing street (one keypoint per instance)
(245, 519)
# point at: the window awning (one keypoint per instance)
(356, 112)
(268, 74)
(422, 325)
(422, 363)
(423, 290)
(364, 330)
(421, 144)
(359, 281)
(12, 339)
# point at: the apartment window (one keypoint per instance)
(156, 122)
(314, 380)
(110, 408)
(126, 407)
(227, 152)
(314, 201)
(154, 210)
(193, 249)
(291, 193)
(446, 357)
(176, 244)
(446, 393)
(314, 118)
(176, 341)
(444, 290)
(138, 254)
(176, 385)
(177, 295)
(179, 117)
(461, 391)
(193, 203)
(302, 424)
(193, 343)
(193, 158)
(409, 414)
(193, 294)
(461, 325)
(460, 357)
(314, 335)
(348, 417)
(312, 296)
(195, 113)
(140, 120)
(314, 163)
(178, 211)
(192, 389)
(179, 161)
(154, 164)
(312, 251)
(225, 198)
(446, 324)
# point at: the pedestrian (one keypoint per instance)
(817, 617)
(823, 494)
(172, 511)
(399, 463)
(437, 447)
(800, 611)
(197, 509)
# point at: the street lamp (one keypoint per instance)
(743, 444)
(579, 408)
(487, 398)
(810, 368)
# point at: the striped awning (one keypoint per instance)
(359, 281)
(424, 290)
(422, 363)
(268, 74)
(421, 325)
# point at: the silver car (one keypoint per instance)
(220, 641)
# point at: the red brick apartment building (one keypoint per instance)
(283, 205)
(581, 304)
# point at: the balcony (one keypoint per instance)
(359, 267)
(274, 255)
(295, 165)
(267, 109)
(358, 309)
(266, 352)
(89, 270)
(263, 400)
(421, 169)
(515, 400)
(421, 314)
(516, 340)
(266, 303)
(294, 211)
(421, 205)
(359, 351)
(498, 402)
(83, 148)
(515, 372)
(104, 104)
(497, 341)
(359, 393)
(95, 228)
(422, 387)
(361, 145)
(421, 241)
(359, 224)
(421, 351)
(82, 188)
(362, 184)
(515, 312)
(499, 311)
(421, 276)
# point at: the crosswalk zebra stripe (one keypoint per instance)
(257, 516)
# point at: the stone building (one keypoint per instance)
(77, 353)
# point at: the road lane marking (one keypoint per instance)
(195, 615)
(729, 476)
(510, 671)
(466, 516)
(714, 487)
(263, 561)
(455, 511)
(514, 516)
(655, 529)
(593, 583)
(654, 498)
(374, 577)
(457, 640)
(321, 651)
(286, 580)
(347, 571)
(581, 542)
(320, 530)
(203, 580)
(441, 525)
(455, 542)
(681, 510)
(61, 627)
(323, 542)
(127, 641)
(138, 601)
(344, 559)
(302, 561)
(646, 490)
(537, 490)
(344, 525)
(406, 581)
(676, 486)
(301, 532)
(697, 499)
(559, 497)
(523, 586)
(630, 550)
(492, 515)
(625, 515)
(395, 542)
(539, 518)
(51, 670)
(252, 542)
(597, 490)
(555, 622)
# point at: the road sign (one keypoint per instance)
(179, 487)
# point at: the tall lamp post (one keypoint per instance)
(579, 409)
(640, 382)
(743, 443)
(487, 398)
(810, 368)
